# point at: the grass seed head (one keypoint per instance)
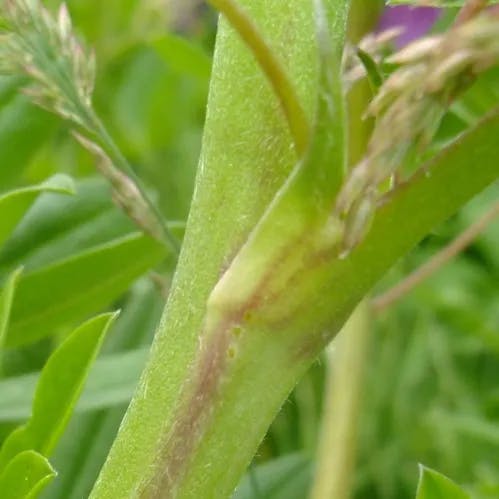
(432, 72)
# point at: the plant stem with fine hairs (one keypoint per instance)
(273, 69)
(261, 289)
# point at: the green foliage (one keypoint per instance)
(25, 476)
(430, 393)
(82, 247)
(433, 485)
(183, 57)
(14, 204)
(78, 286)
(111, 382)
(85, 445)
(6, 298)
(24, 129)
(85, 234)
(56, 394)
(58, 227)
(287, 477)
(252, 297)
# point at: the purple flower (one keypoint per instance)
(416, 21)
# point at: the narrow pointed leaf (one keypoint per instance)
(111, 382)
(372, 68)
(25, 476)
(318, 177)
(59, 227)
(86, 443)
(59, 387)
(79, 286)
(434, 485)
(14, 204)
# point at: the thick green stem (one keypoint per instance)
(248, 364)
(273, 69)
(230, 349)
(247, 154)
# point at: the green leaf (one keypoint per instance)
(24, 128)
(14, 204)
(469, 426)
(25, 476)
(111, 382)
(87, 440)
(81, 454)
(373, 70)
(183, 56)
(114, 376)
(477, 101)
(58, 389)
(78, 286)
(434, 485)
(58, 227)
(6, 299)
(322, 171)
(287, 477)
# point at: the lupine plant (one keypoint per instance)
(334, 143)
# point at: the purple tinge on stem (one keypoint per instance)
(416, 21)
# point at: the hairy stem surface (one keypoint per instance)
(247, 154)
(242, 323)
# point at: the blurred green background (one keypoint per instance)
(431, 392)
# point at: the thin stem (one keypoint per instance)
(393, 295)
(345, 378)
(122, 163)
(273, 69)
